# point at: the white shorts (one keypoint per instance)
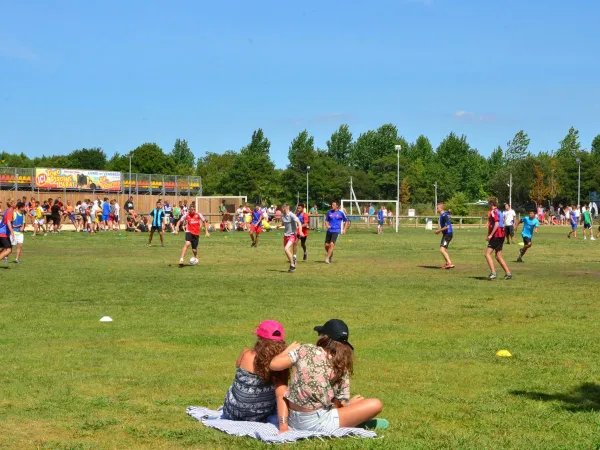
(39, 221)
(321, 420)
(18, 239)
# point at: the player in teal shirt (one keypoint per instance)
(530, 225)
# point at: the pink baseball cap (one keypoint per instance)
(270, 329)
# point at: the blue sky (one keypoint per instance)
(116, 74)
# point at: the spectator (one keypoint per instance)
(142, 226)
(55, 215)
(70, 214)
(129, 208)
(117, 213)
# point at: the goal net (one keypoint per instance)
(364, 212)
(210, 207)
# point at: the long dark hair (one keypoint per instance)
(266, 350)
(341, 356)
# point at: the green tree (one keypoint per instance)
(595, 149)
(539, 190)
(516, 149)
(404, 192)
(496, 160)
(215, 170)
(301, 155)
(569, 145)
(149, 158)
(373, 145)
(182, 155)
(259, 144)
(340, 144)
(88, 159)
(458, 204)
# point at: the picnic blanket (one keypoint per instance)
(267, 432)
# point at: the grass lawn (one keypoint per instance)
(425, 338)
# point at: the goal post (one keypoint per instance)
(209, 205)
(353, 208)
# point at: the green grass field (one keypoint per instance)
(425, 338)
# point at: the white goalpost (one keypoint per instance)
(355, 203)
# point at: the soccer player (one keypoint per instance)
(446, 229)
(304, 220)
(7, 234)
(256, 225)
(333, 223)
(192, 235)
(530, 225)
(157, 215)
(587, 223)
(509, 223)
(291, 227)
(573, 221)
(380, 219)
(495, 240)
(18, 225)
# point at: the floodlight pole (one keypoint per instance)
(398, 148)
(510, 184)
(579, 183)
(436, 202)
(307, 172)
(130, 156)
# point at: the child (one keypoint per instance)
(38, 219)
(380, 218)
(573, 221)
(258, 391)
(495, 240)
(318, 393)
(530, 225)
(446, 230)
(18, 225)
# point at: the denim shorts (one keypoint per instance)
(320, 420)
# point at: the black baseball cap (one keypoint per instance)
(337, 330)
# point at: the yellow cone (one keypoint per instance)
(503, 353)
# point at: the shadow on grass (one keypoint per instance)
(585, 397)
(479, 278)
(275, 270)
(431, 267)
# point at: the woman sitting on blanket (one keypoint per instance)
(318, 393)
(257, 391)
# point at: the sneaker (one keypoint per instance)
(519, 260)
(375, 424)
(585, 238)
(492, 276)
(508, 276)
(592, 238)
(16, 261)
(305, 256)
(294, 260)
(252, 245)
(450, 266)
(6, 260)
(163, 244)
(292, 269)
(327, 261)
(445, 266)
(181, 263)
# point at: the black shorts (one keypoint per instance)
(55, 220)
(509, 230)
(5, 243)
(446, 238)
(526, 240)
(331, 237)
(192, 239)
(302, 239)
(587, 226)
(496, 243)
(159, 229)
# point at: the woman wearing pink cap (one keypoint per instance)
(258, 392)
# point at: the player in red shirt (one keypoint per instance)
(303, 217)
(495, 240)
(192, 236)
(7, 234)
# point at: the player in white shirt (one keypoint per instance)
(509, 223)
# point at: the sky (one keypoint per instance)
(116, 74)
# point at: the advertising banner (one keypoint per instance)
(92, 180)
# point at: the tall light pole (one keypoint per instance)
(578, 183)
(130, 156)
(510, 190)
(398, 148)
(307, 172)
(435, 186)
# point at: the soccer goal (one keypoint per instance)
(359, 211)
(210, 206)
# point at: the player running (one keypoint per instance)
(256, 225)
(192, 235)
(7, 234)
(495, 240)
(292, 228)
(158, 216)
(573, 221)
(446, 230)
(18, 225)
(530, 225)
(587, 224)
(304, 220)
(333, 223)
(380, 219)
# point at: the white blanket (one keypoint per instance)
(267, 432)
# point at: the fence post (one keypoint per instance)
(460, 223)
(16, 180)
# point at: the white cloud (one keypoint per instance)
(469, 116)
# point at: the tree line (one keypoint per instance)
(462, 174)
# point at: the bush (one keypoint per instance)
(458, 205)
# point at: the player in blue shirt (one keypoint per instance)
(380, 219)
(256, 225)
(333, 223)
(573, 221)
(530, 225)
(158, 216)
(446, 229)
(105, 213)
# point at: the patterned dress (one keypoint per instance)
(249, 398)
